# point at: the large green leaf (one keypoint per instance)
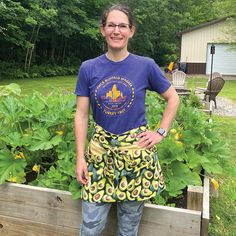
(179, 176)
(67, 167)
(10, 89)
(16, 139)
(75, 189)
(212, 168)
(170, 151)
(66, 150)
(194, 160)
(11, 111)
(42, 140)
(9, 166)
(33, 105)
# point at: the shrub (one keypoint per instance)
(16, 71)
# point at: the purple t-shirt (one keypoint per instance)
(117, 90)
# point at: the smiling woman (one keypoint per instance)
(117, 30)
(121, 164)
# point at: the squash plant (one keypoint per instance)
(37, 143)
(192, 145)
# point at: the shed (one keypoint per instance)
(196, 44)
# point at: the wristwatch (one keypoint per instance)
(162, 132)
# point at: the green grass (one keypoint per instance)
(227, 91)
(223, 208)
(44, 85)
(67, 83)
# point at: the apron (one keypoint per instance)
(119, 170)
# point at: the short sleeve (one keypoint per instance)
(82, 84)
(157, 81)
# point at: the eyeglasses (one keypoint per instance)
(123, 27)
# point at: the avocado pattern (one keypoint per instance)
(119, 170)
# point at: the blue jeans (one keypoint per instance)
(95, 217)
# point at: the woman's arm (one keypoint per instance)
(81, 129)
(149, 138)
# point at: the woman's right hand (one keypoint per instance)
(82, 171)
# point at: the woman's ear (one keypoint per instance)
(132, 31)
(102, 31)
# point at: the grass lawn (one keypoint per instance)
(67, 84)
(228, 90)
(44, 85)
(223, 208)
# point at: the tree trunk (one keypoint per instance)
(52, 52)
(28, 49)
(59, 51)
(32, 49)
(64, 52)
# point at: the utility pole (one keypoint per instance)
(212, 55)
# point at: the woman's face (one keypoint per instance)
(117, 30)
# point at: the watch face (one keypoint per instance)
(161, 131)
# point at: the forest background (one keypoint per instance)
(41, 38)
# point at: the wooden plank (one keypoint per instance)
(169, 221)
(194, 197)
(206, 208)
(42, 205)
(55, 209)
(10, 226)
(20, 227)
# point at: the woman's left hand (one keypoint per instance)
(149, 138)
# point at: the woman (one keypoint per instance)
(121, 163)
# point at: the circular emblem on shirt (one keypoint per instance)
(114, 95)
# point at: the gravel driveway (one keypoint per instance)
(225, 107)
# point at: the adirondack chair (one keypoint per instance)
(215, 74)
(214, 86)
(178, 79)
(203, 89)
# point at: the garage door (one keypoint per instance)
(224, 59)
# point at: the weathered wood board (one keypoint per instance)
(28, 210)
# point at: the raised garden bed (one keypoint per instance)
(29, 210)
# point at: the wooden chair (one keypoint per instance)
(214, 75)
(178, 79)
(214, 86)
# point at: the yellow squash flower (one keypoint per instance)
(173, 131)
(20, 155)
(36, 168)
(180, 144)
(60, 132)
(12, 179)
(215, 183)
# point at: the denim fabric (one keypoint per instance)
(95, 217)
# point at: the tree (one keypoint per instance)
(227, 8)
(41, 13)
(67, 32)
(158, 23)
(12, 32)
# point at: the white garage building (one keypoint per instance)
(196, 44)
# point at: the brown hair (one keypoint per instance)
(125, 9)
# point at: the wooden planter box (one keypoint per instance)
(28, 210)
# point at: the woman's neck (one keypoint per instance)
(117, 56)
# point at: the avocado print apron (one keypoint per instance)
(119, 170)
